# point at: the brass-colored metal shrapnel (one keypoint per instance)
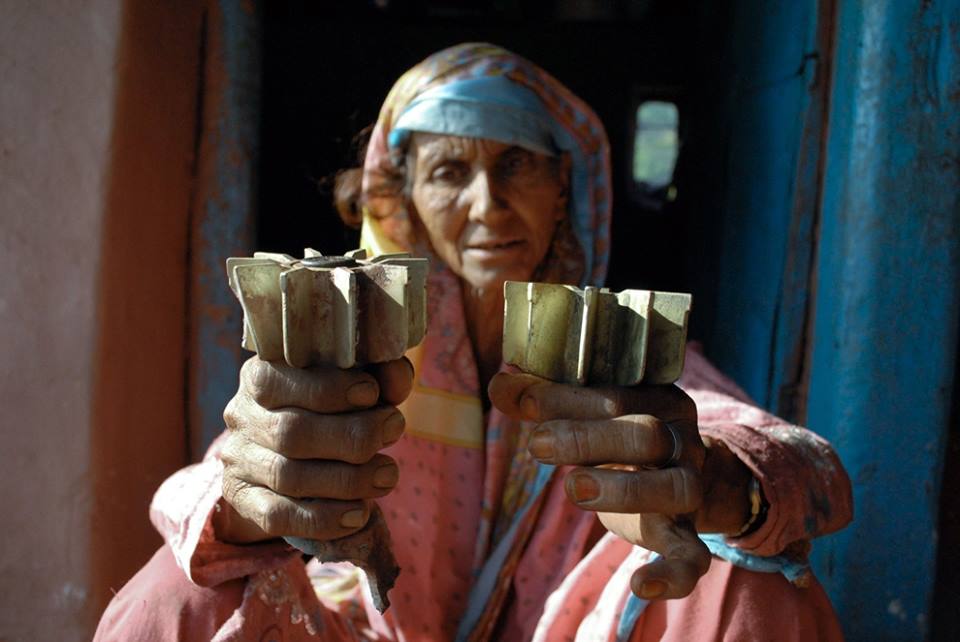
(595, 336)
(345, 311)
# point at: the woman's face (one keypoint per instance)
(489, 209)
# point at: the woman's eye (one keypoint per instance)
(515, 161)
(449, 173)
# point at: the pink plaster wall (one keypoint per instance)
(97, 126)
(56, 107)
(139, 406)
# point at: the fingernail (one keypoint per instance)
(529, 408)
(585, 488)
(652, 588)
(386, 476)
(362, 394)
(353, 518)
(541, 444)
(393, 428)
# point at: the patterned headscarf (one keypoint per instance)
(480, 90)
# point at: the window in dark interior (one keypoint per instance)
(656, 145)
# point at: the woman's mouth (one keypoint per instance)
(493, 246)
(494, 250)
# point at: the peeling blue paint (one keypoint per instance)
(887, 316)
(885, 287)
(223, 222)
(762, 287)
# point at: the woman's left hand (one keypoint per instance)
(641, 465)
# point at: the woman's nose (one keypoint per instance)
(483, 198)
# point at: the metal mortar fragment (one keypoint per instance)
(346, 311)
(595, 336)
(368, 549)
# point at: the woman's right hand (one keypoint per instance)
(302, 456)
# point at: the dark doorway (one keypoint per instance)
(327, 68)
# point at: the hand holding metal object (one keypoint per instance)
(588, 359)
(343, 311)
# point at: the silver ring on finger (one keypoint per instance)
(677, 448)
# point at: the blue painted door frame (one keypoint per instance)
(886, 320)
(776, 89)
(840, 264)
(222, 216)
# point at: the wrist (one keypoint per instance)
(729, 493)
(231, 527)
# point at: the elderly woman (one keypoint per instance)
(501, 522)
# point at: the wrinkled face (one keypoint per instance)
(489, 209)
